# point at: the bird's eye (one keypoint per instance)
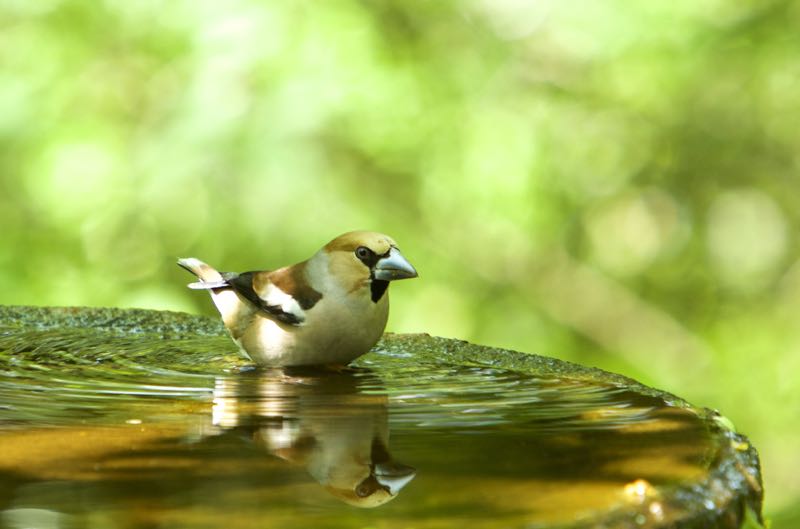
(366, 487)
(363, 252)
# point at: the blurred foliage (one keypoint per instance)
(614, 183)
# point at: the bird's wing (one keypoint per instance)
(292, 281)
(268, 297)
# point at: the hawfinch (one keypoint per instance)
(323, 422)
(327, 310)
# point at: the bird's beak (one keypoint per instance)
(393, 266)
(394, 476)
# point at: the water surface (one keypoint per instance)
(147, 429)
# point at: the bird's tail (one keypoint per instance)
(208, 275)
(203, 271)
(225, 299)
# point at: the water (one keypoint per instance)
(132, 428)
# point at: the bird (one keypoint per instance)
(334, 424)
(325, 311)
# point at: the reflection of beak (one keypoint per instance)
(394, 266)
(394, 476)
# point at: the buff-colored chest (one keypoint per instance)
(336, 331)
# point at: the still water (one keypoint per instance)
(143, 429)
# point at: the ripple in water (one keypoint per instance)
(107, 429)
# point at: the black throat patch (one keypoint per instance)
(378, 288)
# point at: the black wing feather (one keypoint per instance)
(243, 285)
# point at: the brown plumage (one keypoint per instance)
(329, 309)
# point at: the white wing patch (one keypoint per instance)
(276, 297)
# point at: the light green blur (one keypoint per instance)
(615, 183)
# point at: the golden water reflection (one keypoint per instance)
(267, 439)
(272, 448)
(322, 423)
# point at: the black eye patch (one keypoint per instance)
(368, 257)
(369, 486)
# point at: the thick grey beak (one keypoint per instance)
(393, 266)
(394, 476)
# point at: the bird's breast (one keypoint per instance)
(337, 330)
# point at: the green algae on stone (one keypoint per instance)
(114, 339)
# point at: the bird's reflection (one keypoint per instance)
(334, 424)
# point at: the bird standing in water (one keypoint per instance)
(327, 310)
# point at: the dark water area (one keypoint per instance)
(121, 428)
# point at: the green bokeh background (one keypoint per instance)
(614, 183)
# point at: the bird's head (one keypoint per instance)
(382, 485)
(361, 258)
